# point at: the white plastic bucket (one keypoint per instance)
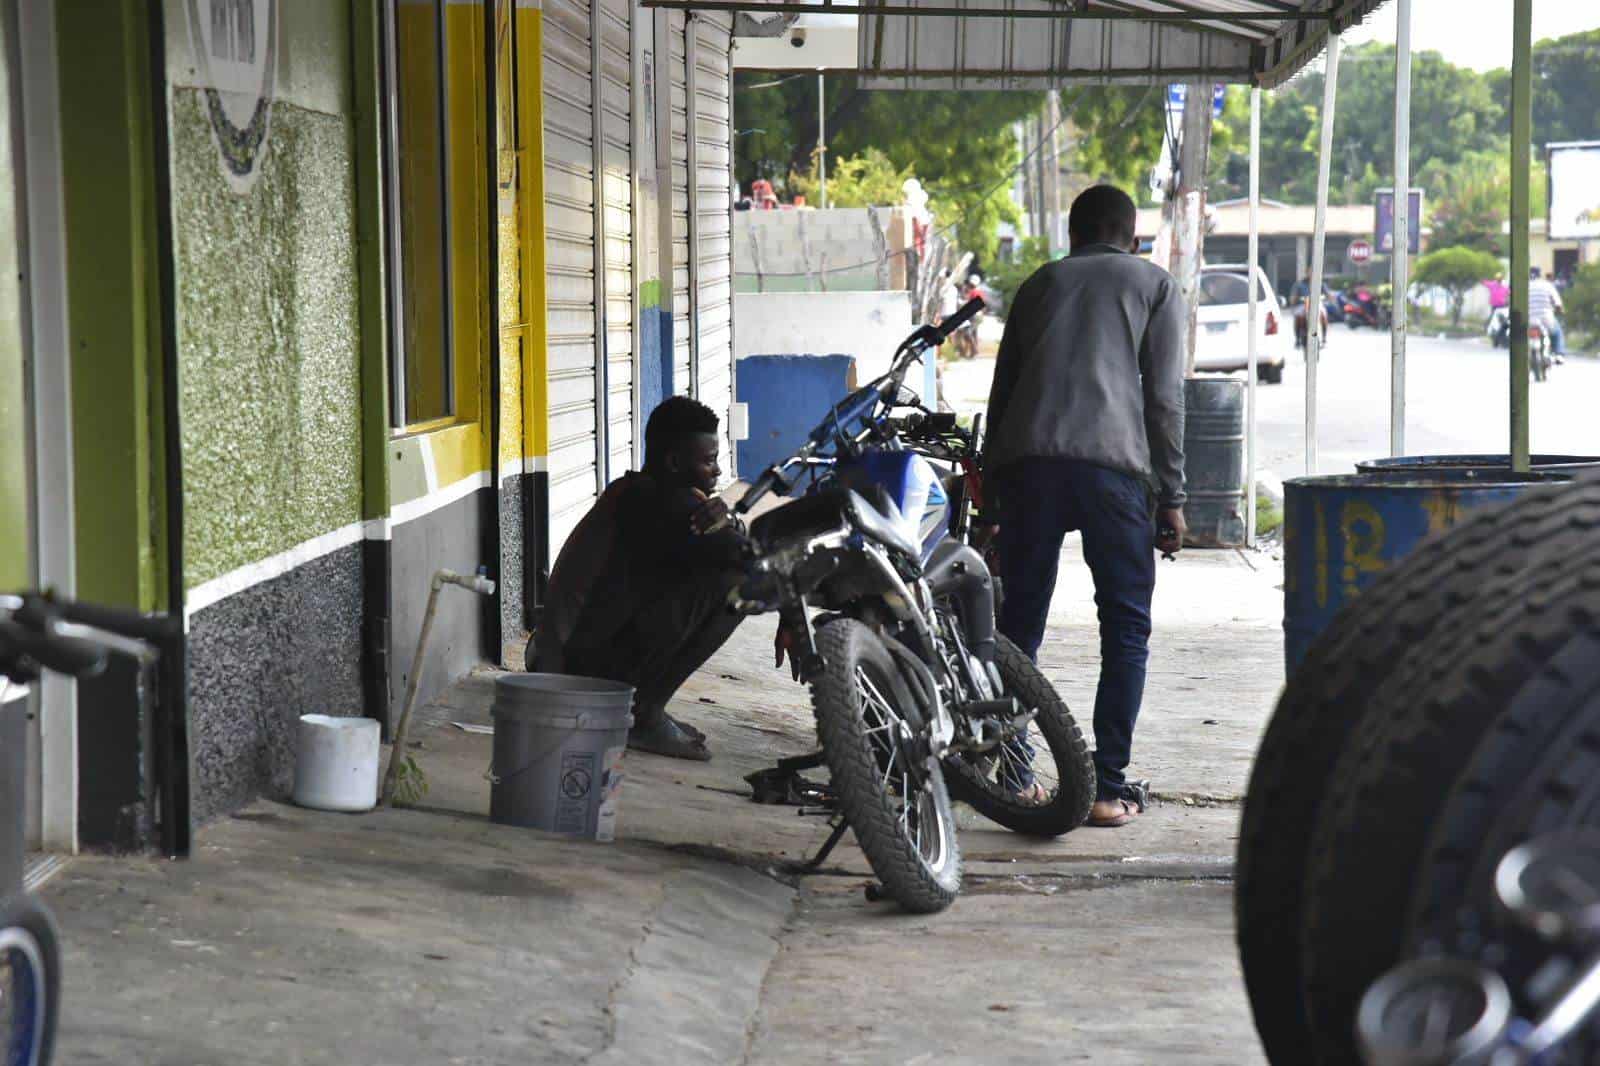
(336, 763)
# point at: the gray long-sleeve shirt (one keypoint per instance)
(1091, 367)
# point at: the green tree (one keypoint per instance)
(961, 146)
(1583, 300)
(867, 180)
(1456, 270)
(1470, 199)
(1566, 86)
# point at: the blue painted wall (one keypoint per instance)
(786, 395)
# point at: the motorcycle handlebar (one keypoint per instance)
(965, 314)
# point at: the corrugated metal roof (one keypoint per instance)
(1030, 44)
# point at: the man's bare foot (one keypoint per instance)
(1109, 814)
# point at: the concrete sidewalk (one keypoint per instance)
(430, 935)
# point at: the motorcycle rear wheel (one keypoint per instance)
(899, 810)
(30, 982)
(1067, 774)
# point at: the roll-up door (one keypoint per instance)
(572, 358)
(713, 206)
(616, 66)
(678, 199)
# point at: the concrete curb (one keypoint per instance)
(693, 984)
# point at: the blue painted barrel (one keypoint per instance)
(1430, 464)
(1343, 532)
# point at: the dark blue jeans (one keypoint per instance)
(1043, 499)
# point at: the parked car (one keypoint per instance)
(1221, 334)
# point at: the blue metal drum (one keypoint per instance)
(1432, 464)
(1342, 533)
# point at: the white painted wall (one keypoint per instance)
(867, 325)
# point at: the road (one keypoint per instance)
(1457, 401)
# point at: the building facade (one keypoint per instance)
(308, 300)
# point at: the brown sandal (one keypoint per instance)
(1128, 813)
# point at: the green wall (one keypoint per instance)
(268, 313)
(14, 495)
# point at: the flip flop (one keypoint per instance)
(1129, 813)
(665, 738)
(688, 729)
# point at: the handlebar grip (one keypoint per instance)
(965, 314)
(64, 655)
(764, 484)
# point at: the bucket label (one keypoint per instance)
(610, 793)
(577, 781)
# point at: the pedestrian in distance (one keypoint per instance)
(1086, 433)
(639, 593)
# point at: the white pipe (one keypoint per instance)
(1318, 242)
(1252, 344)
(1399, 262)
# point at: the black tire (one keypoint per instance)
(1324, 702)
(1069, 777)
(922, 874)
(1536, 771)
(1270, 373)
(28, 943)
(1536, 588)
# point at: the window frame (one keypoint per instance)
(400, 272)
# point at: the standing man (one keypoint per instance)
(1086, 433)
(1544, 302)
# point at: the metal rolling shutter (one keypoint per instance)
(713, 207)
(570, 278)
(616, 66)
(678, 199)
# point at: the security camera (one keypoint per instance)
(797, 39)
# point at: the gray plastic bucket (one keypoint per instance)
(558, 747)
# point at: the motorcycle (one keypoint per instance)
(1539, 358)
(1363, 308)
(1498, 329)
(891, 620)
(1301, 313)
(38, 634)
(1535, 1006)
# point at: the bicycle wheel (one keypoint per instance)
(30, 983)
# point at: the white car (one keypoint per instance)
(1220, 342)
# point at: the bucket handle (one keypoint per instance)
(493, 778)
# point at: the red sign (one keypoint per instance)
(1360, 251)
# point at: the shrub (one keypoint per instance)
(1456, 270)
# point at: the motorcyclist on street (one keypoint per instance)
(1544, 307)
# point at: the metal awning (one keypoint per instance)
(1032, 44)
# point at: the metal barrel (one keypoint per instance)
(1429, 464)
(1343, 532)
(1213, 448)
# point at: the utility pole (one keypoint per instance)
(822, 141)
(1400, 262)
(1521, 150)
(1038, 168)
(1188, 217)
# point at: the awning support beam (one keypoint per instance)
(1521, 143)
(1252, 257)
(1319, 234)
(1400, 263)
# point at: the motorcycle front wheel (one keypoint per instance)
(1040, 783)
(895, 800)
(30, 983)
